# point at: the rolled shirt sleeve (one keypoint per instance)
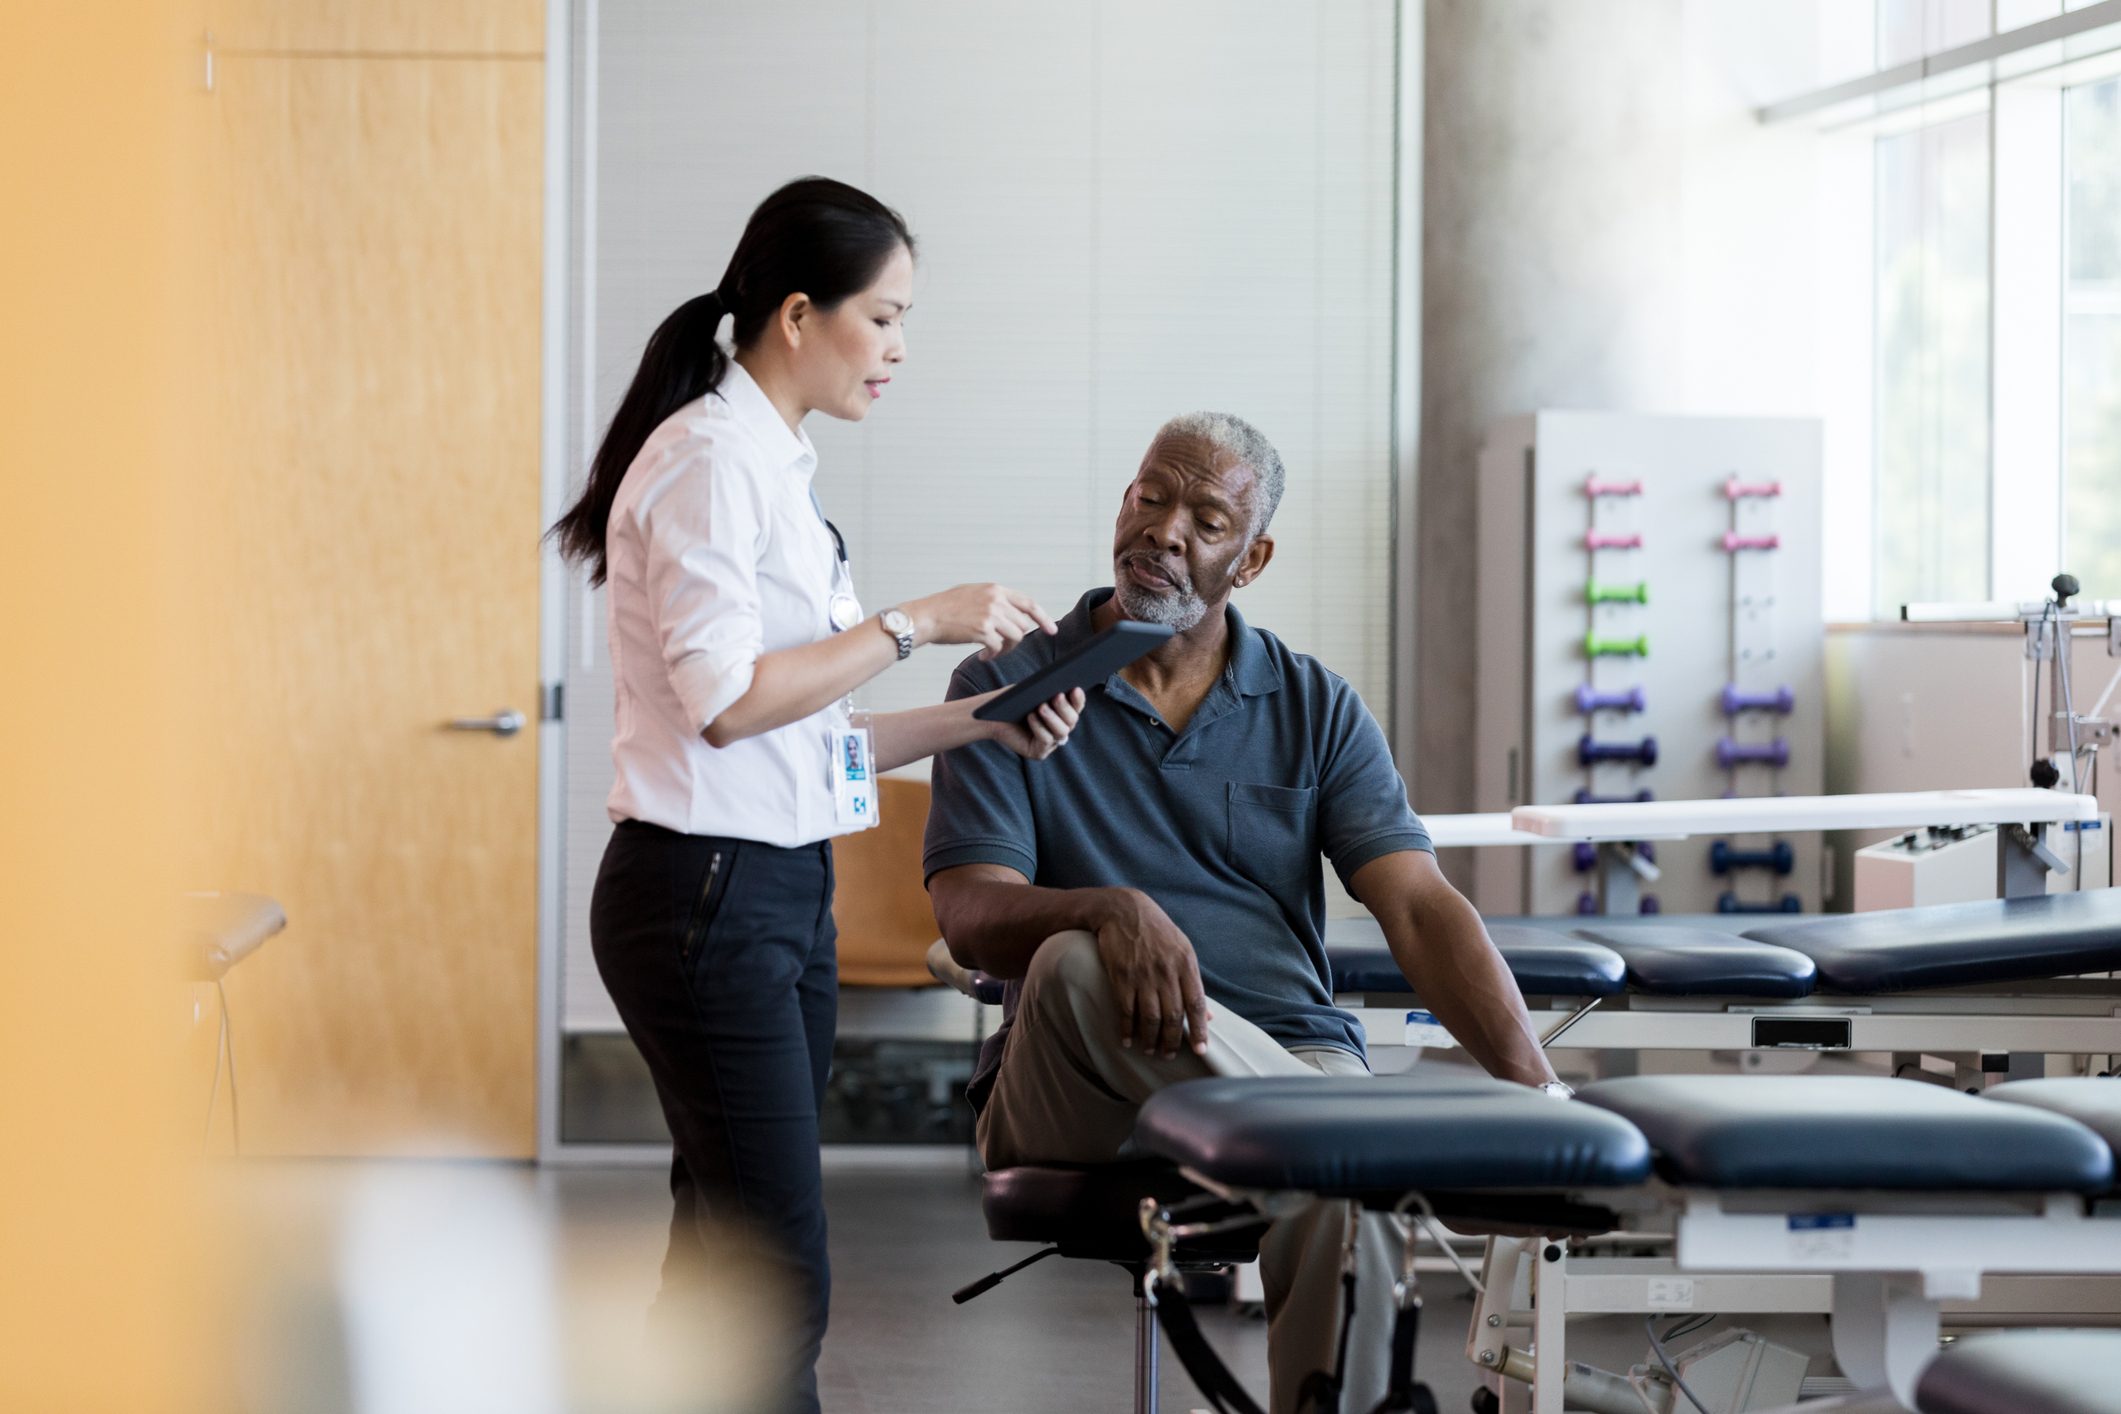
(702, 534)
(979, 811)
(1363, 809)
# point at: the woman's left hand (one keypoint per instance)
(1044, 731)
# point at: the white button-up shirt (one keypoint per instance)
(715, 553)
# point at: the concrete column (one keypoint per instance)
(1553, 159)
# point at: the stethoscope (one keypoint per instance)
(843, 608)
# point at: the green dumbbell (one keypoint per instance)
(1636, 593)
(1596, 647)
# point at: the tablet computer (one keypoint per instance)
(1099, 658)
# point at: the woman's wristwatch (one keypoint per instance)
(1559, 1090)
(899, 624)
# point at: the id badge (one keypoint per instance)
(854, 793)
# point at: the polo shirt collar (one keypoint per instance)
(750, 406)
(1252, 668)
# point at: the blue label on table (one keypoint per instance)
(1422, 1018)
(1819, 1222)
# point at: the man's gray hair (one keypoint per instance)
(1241, 442)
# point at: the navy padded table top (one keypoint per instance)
(1356, 1134)
(2093, 1101)
(1545, 963)
(1696, 962)
(1850, 1132)
(1959, 944)
(2019, 1372)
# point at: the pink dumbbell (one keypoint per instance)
(1607, 540)
(1736, 490)
(1733, 542)
(1593, 487)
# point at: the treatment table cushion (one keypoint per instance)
(2021, 1372)
(1850, 1132)
(1544, 962)
(1959, 944)
(1355, 1135)
(2093, 1101)
(1692, 962)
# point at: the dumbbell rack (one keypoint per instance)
(1614, 638)
(1610, 621)
(1752, 753)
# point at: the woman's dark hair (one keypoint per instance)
(815, 236)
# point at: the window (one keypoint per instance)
(1930, 380)
(2091, 296)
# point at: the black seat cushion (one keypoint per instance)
(1959, 944)
(2093, 1101)
(1702, 962)
(1545, 963)
(1095, 1211)
(1849, 1132)
(2020, 1372)
(1358, 1136)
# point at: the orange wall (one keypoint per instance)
(99, 129)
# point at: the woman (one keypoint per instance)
(735, 641)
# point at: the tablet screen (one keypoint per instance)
(1097, 659)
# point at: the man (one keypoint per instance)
(1157, 887)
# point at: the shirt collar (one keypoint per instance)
(1252, 668)
(751, 407)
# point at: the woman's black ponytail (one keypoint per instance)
(816, 237)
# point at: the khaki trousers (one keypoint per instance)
(1067, 1093)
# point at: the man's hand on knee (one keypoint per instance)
(1155, 977)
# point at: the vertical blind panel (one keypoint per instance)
(1125, 211)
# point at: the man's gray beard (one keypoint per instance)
(1181, 609)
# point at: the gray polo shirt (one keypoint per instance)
(1222, 824)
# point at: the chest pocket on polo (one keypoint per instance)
(1272, 839)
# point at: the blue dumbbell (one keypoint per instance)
(1651, 905)
(1731, 753)
(1728, 902)
(1723, 858)
(1584, 854)
(1587, 796)
(1586, 903)
(1590, 750)
(1735, 700)
(1589, 700)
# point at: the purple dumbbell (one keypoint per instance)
(1587, 903)
(1584, 855)
(1777, 856)
(1650, 904)
(1589, 700)
(1587, 796)
(1728, 902)
(1757, 753)
(1735, 701)
(1642, 752)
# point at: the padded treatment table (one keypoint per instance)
(1545, 961)
(1959, 944)
(1381, 1137)
(2092, 1101)
(1851, 1132)
(1905, 1193)
(2025, 1372)
(1955, 980)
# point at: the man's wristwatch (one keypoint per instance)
(899, 624)
(1558, 1090)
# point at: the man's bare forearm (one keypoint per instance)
(1443, 948)
(994, 919)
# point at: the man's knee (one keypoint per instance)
(1065, 965)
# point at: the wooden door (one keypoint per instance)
(372, 566)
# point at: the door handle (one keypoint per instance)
(506, 722)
